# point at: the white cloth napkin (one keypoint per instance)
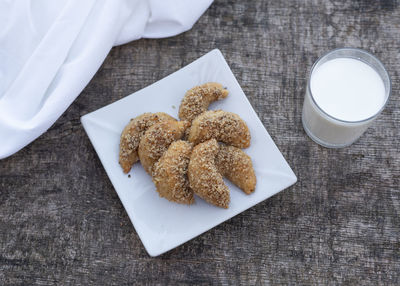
(50, 49)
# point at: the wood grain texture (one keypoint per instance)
(61, 221)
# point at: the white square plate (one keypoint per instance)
(163, 225)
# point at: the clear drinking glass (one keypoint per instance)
(324, 128)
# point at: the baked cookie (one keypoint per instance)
(204, 177)
(131, 135)
(170, 173)
(156, 141)
(198, 98)
(226, 127)
(236, 166)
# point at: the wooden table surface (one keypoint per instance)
(61, 221)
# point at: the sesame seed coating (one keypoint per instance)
(131, 135)
(198, 98)
(204, 178)
(226, 127)
(156, 141)
(193, 155)
(236, 166)
(170, 173)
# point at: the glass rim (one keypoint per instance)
(388, 92)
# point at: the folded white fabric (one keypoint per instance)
(50, 49)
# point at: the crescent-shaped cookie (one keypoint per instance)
(204, 177)
(156, 141)
(236, 166)
(198, 98)
(224, 126)
(131, 135)
(170, 173)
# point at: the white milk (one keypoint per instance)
(351, 92)
(348, 89)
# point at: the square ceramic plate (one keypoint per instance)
(163, 225)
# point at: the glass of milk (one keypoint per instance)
(347, 89)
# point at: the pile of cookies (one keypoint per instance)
(191, 156)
